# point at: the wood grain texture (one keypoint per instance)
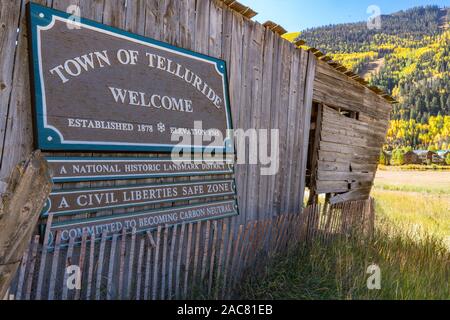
(20, 208)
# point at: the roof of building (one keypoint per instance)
(442, 153)
(422, 152)
(249, 14)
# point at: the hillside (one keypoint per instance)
(409, 57)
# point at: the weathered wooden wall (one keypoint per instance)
(348, 149)
(271, 87)
(268, 77)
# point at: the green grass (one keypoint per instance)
(420, 213)
(410, 269)
(411, 246)
(412, 188)
(418, 201)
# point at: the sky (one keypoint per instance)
(297, 15)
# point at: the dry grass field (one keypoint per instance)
(420, 181)
(411, 246)
(417, 200)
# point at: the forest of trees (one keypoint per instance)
(412, 51)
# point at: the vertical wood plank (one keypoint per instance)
(90, 267)
(10, 15)
(148, 266)
(205, 251)
(131, 263)
(43, 260)
(16, 130)
(254, 115)
(187, 261)
(54, 272)
(264, 202)
(123, 244)
(250, 245)
(22, 270)
(139, 269)
(68, 263)
(114, 13)
(220, 263)
(235, 261)
(135, 16)
(308, 101)
(32, 267)
(187, 24)
(272, 204)
(302, 129)
(81, 262)
(100, 262)
(153, 19)
(196, 252)
(213, 257)
(228, 258)
(181, 248)
(292, 127)
(155, 265)
(164, 260)
(240, 258)
(171, 262)
(202, 26)
(112, 260)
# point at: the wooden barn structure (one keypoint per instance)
(426, 156)
(331, 125)
(443, 154)
(349, 126)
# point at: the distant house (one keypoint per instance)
(411, 157)
(443, 155)
(426, 156)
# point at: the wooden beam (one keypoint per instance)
(20, 208)
(360, 194)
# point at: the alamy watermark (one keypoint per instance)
(374, 21)
(73, 281)
(252, 146)
(374, 280)
(74, 19)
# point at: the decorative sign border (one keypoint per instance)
(42, 18)
(59, 178)
(113, 204)
(114, 224)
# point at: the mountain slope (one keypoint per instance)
(409, 57)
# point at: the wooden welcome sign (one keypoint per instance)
(98, 88)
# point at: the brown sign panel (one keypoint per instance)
(71, 202)
(103, 89)
(140, 221)
(91, 169)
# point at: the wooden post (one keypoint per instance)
(26, 194)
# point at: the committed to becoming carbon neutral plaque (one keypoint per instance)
(98, 88)
(140, 221)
